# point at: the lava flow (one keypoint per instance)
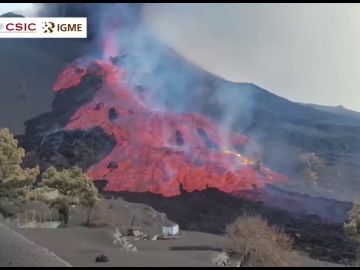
(157, 151)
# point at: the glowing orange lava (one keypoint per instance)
(157, 151)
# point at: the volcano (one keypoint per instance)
(151, 127)
(157, 151)
(288, 133)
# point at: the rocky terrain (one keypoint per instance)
(287, 134)
(129, 234)
(211, 211)
(329, 136)
(317, 148)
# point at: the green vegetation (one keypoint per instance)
(60, 189)
(73, 187)
(352, 227)
(15, 182)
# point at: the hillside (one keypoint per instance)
(287, 132)
(318, 150)
(171, 138)
(317, 147)
(29, 68)
(336, 109)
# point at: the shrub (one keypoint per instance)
(104, 215)
(312, 165)
(352, 227)
(257, 243)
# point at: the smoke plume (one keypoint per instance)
(96, 13)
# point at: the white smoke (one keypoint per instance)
(25, 9)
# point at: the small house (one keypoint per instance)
(170, 228)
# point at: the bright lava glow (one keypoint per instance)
(157, 151)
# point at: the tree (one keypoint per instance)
(15, 182)
(74, 188)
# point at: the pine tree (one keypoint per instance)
(15, 182)
(74, 187)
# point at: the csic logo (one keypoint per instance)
(48, 27)
(18, 27)
(43, 27)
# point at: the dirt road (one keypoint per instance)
(18, 251)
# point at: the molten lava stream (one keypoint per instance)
(157, 151)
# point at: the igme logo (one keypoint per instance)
(48, 27)
(43, 27)
(51, 27)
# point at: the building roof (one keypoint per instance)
(169, 223)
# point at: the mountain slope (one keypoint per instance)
(337, 110)
(28, 69)
(318, 149)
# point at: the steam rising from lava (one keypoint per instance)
(143, 105)
(157, 151)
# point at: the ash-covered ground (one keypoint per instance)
(317, 149)
(211, 211)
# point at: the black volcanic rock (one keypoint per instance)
(99, 106)
(112, 165)
(112, 114)
(65, 149)
(284, 130)
(179, 138)
(209, 143)
(47, 144)
(212, 210)
(100, 184)
(64, 106)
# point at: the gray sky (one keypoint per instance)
(303, 52)
(22, 8)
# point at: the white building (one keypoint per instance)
(170, 228)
